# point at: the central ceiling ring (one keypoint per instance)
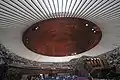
(64, 36)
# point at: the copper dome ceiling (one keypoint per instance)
(17, 15)
(65, 36)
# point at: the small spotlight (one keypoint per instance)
(92, 29)
(75, 53)
(86, 25)
(36, 28)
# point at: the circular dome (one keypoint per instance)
(64, 36)
(17, 15)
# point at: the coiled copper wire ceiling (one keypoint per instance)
(16, 16)
(63, 36)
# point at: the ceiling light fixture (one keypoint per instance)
(86, 25)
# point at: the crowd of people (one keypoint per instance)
(12, 58)
(7, 57)
(58, 77)
(112, 57)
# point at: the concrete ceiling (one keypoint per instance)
(17, 15)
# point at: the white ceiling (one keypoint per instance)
(17, 15)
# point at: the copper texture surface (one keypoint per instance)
(63, 36)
